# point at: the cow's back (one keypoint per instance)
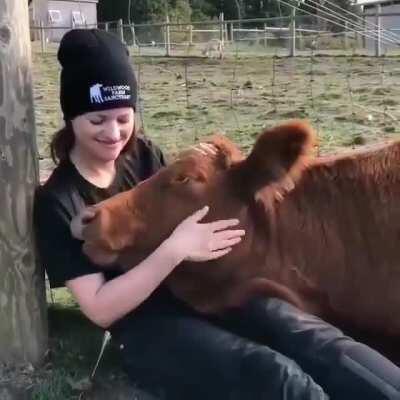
(340, 228)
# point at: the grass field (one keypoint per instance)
(351, 101)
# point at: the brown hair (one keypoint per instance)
(63, 141)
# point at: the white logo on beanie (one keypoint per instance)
(95, 94)
(100, 94)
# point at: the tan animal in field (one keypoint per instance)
(213, 48)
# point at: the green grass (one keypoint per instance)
(342, 97)
(74, 347)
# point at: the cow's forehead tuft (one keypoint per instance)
(194, 158)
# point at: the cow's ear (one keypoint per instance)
(279, 155)
(228, 153)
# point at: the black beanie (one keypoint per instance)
(96, 73)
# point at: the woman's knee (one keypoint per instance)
(265, 374)
(362, 371)
(343, 366)
(227, 367)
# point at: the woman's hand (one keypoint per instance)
(194, 241)
(80, 221)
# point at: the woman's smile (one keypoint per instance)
(109, 143)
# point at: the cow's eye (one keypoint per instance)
(181, 179)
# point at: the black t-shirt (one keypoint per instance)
(63, 196)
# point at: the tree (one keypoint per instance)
(243, 9)
(331, 12)
(178, 11)
(155, 10)
(142, 11)
(202, 10)
(23, 328)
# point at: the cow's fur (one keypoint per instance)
(321, 233)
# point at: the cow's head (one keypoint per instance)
(227, 181)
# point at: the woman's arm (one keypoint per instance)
(104, 302)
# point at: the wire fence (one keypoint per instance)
(290, 35)
(237, 76)
(350, 100)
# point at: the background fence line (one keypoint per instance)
(273, 69)
(291, 35)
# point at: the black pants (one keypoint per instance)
(267, 350)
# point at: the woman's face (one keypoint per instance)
(101, 135)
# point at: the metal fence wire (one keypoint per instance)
(287, 35)
(349, 100)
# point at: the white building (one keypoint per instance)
(62, 15)
(389, 11)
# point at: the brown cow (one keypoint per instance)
(321, 233)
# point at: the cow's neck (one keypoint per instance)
(338, 228)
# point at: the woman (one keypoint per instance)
(267, 350)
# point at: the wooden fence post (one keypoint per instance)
(365, 32)
(378, 24)
(300, 40)
(190, 35)
(167, 36)
(292, 49)
(42, 35)
(133, 33)
(120, 29)
(23, 326)
(221, 27)
(346, 35)
(265, 41)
